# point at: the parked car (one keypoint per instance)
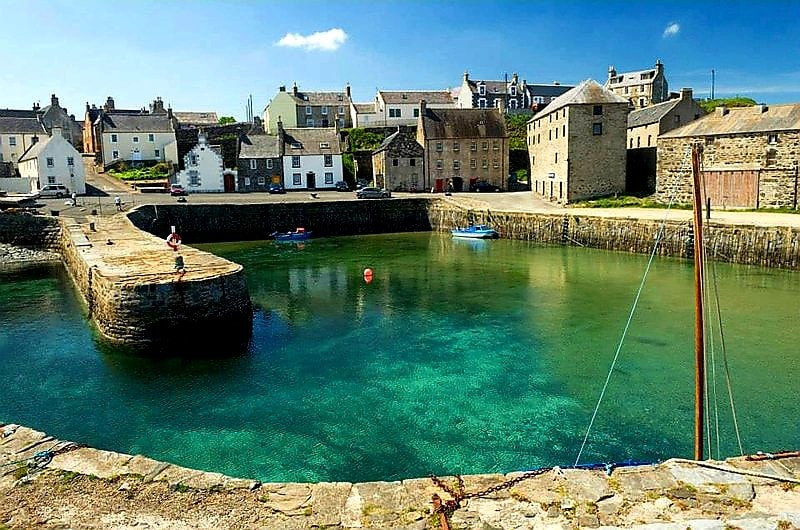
(483, 186)
(342, 186)
(373, 193)
(176, 190)
(276, 188)
(54, 190)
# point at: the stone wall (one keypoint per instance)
(23, 229)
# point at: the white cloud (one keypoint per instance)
(327, 41)
(671, 30)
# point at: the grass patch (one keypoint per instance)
(627, 201)
(20, 472)
(180, 488)
(158, 171)
(68, 476)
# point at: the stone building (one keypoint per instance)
(297, 109)
(397, 164)
(463, 146)
(642, 87)
(506, 95)
(19, 127)
(196, 120)
(576, 145)
(750, 159)
(260, 162)
(644, 127)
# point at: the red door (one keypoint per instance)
(230, 185)
(439, 185)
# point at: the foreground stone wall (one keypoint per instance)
(32, 231)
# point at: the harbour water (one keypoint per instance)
(458, 357)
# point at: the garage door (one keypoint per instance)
(732, 188)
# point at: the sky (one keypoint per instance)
(211, 55)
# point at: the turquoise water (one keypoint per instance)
(459, 357)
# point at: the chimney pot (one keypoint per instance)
(53, 100)
(722, 110)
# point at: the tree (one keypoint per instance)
(710, 104)
(517, 125)
(225, 120)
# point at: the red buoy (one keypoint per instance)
(368, 275)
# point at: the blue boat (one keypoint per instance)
(300, 234)
(476, 232)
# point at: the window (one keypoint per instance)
(550, 134)
(439, 164)
(513, 90)
(456, 165)
(70, 161)
(456, 146)
(192, 160)
(394, 113)
(638, 141)
(296, 179)
(512, 103)
(395, 162)
(50, 162)
(341, 111)
(597, 110)
(556, 133)
(114, 138)
(485, 145)
(325, 111)
(157, 153)
(473, 146)
(309, 122)
(642, 102)
(297, 145)
(439, 147)
(597, 129)
(495, 163)
(533, 162)
(482, 103)
(114, 155)
(485, 163)
(539, 138)
(709, 140)
(329, 178)
(556, 158)
(772, 138)
(328, 160)
(324, 145)
(151, 137)
(412, 162)
(564, 130)
(253, 163)
(269, 163)
(649, 136)
(261, 181)
(631, 147)
(194, 178)
(51, 179)
(136, 139)
(414, 179)
(473, 164)
(341, 123)
(482, 89)
(295, 161)
(416, 113)
(308, 110)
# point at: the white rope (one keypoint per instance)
(735, 470)
(630, 318)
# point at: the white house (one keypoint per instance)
(401, 107)
(53, 160)
(312, 158)
(204, 171)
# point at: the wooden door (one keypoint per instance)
(732, 188)
(230, 185)
(311, 182)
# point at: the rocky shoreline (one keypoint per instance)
(16, 255)
(47, 483)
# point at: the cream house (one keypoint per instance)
(144, 137)
(53, 160)
(401, 107)
(18, 132)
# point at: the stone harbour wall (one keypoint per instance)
(23, 229)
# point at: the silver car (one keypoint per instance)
(373, 193)
(54, 190)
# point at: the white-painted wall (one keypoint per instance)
(126, 147)
(60, 150)
(18, 185)
(315, 163)
(208, 165)
(12, 153)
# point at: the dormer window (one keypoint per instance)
(324, 145)
(296, 145)
(340, 97)
(772, 138)
(482, 89)
(513, 90)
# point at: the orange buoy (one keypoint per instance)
(368, 275)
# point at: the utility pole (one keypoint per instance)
(713, 80)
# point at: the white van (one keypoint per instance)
(54, 190)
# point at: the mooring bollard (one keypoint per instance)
(54, 213)
(92, 227)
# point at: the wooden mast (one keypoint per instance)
(699, 343)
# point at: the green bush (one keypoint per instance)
(363, 140)
(710, 104)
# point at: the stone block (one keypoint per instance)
(289, 499)
(635, 482)
(92, 462)
(711, 481)
(327, 502)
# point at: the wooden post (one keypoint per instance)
(699, 343)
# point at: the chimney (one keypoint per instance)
(686, 93)
(281, 137)
(762, 108)
(423, 106)
(53, 100)
(157, 106)
(722, 110)
(34, 139)
(514, 79)
(169, 112)
(347, 90)
(87, 106)
(109, 103)
(659, 66)
(282, 88)
(612, 72)
(466, 75)
(294, 89)
(55, 131)
(35, 106)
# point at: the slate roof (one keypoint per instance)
(588, 92)
(463, 123)
(435, 97)
(322, 98)
(399, 145)
(492, 87)
(365, 108)
(260, 146)
(547, 91)
(651, 114)
(22, 125)
(14, 113)
(633, 78)
(115, 122)
(310, 139)
(742, 120)
(35, 150)
(197, 118)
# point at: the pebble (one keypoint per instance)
(15, 254)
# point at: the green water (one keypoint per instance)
(459, 357)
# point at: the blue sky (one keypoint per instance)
(211, 55)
